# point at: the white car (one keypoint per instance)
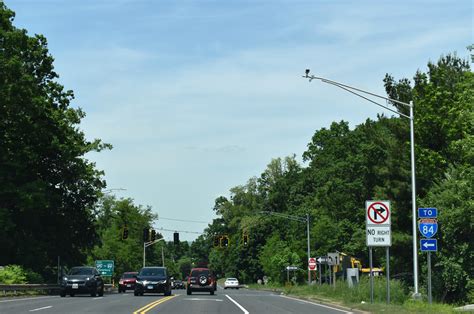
(231, 283)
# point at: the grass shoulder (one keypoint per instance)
(358, 297)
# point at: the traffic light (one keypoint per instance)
(176, 238)
(224, 241)
(217, 241)
(146, 234)
(153, 235)
(246, 239)
(124, 233)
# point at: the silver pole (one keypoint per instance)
(162, 257)
(320, 273)
(371, 277)
(388, 275)
(413, 202)
(429, 278)
(307, 231)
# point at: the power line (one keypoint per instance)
(183, 220)
(183, 231)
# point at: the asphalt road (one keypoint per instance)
(224, 301)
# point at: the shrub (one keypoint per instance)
(15, 274)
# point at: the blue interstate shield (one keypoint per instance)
(428, 227)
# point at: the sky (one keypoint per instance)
(199, 96)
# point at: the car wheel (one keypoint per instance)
(225, 288)
(101, 292)
(167, 293)
(62, 294)
(212, 291)
(189, 292)
(71, 294)
(237, 288)
(135, 293)
(94, 292)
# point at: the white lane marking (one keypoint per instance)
(317, 304)
(42, 308)
(240, 306)
(26, 299)
(203, 299)
(98, 298)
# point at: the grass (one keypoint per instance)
(359, 296)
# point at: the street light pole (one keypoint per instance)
(301, 219)
(147, 244)
(357, 91)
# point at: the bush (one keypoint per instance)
(15, 274)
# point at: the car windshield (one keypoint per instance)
(127, 276)
(81, 271)
(152, 272)
(196, 273)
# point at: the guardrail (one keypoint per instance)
(48, 288)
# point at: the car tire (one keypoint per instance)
(62, 294)
(94, 293)
(225, 288)
(212, 292)
(101, 292)
(135, 293)
(189, 292)
(237, 288)
(71, 294)
(167, 293)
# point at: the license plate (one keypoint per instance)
(150, 287)
(129, 286)
(75, 286)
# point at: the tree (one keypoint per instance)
(47, 188)
(112, 216)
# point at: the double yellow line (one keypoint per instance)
(151, 305)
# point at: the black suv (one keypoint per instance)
(82, 279)
(153, 279)
(201, 280)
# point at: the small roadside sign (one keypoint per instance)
(428, 245)
(333, 259)
(105, 267)
(377, 212)
(427, 212)
(428, 227)
(322, 260)
(291, 267)
(312, 263)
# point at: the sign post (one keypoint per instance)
(428, 226)
(379, 233)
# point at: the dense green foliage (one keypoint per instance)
(17, 274)
(47, 187)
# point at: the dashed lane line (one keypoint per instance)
(42, 308)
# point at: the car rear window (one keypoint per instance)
(232, 279)
(152, 272)
(126, 276)
(197, 273)
(80, 271)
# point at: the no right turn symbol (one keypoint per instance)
(378, 213)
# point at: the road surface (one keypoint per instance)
(240, 301)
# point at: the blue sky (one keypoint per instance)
(198, 96)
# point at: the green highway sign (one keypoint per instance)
(105, 267)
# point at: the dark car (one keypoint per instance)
(178, 284)
(82, 279)
(153, 279)
(201, 280)
(127, 281)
